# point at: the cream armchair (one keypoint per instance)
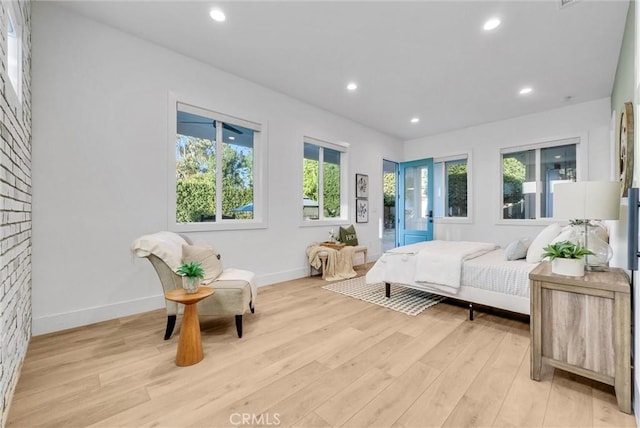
(235, 288)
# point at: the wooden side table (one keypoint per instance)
(583, 325)
(190, 344)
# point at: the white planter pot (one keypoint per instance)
(568, 267)
(190, 285)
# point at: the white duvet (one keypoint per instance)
(439, 263)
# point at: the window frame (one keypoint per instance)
(582, 151)
(345, 212)
(469, 217)
(13, 94)
(260, 214)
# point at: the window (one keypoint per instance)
(450, 181)
(14, 43)
(323, 181)
(216, 169)
(528, 177)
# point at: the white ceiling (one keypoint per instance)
(429, 59)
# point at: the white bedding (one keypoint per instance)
(440, 262)
(488, 279)
(492, 272)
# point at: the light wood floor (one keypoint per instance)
(309, 358)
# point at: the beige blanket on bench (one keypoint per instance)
(339, 263)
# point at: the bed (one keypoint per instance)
(484, 276)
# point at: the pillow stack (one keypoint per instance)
(544, 238)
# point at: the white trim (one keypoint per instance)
(339, 146)
(345, 213)
(469, 217)
(260, 153)
(65, 320)
(555, 142)
(580, 139)
(214, 115)
(14, 95)
(462, 156)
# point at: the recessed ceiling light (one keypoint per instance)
(217, 15)
(232, 138)
(415, 119)
(491, 24)
(352, 86)
(526, 90)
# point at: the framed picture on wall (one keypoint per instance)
(362, 186)
(362, 211)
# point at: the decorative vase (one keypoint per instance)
(568, 267)
(602, 252)
(591, 237)
(190, 284)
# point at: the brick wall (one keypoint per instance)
(15, 210)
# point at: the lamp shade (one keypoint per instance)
(587, 200)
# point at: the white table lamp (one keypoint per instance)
(589, 200)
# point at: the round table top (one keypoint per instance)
(181, 296)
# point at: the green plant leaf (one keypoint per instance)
(565, 250)
(191, 270)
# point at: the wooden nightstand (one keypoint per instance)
(583, 325)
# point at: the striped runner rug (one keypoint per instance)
(403, 299)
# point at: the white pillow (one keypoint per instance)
(544, 238)
(566, 235)
(207, 257)
(517, 249)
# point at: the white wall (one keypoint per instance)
(100, 168)
(591, 120)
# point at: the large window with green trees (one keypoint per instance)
(323, 180)
(450, 185)
(215, 168)
(529, 174)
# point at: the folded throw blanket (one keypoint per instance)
(339, 263)
(440, 262)
(165, 245)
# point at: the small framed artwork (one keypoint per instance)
(362, 186)
(362, 211)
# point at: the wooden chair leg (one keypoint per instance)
(171, 323)
(239, 325)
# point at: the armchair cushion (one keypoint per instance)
(207, 257)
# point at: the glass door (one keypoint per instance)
(415, 202)
(390, 196)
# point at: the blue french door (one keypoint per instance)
(415, 202)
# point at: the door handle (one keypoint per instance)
(430, 216)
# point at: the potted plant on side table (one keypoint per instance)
(566, 258)
(191, 273)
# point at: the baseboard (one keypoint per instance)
(63, 321)
(286, 275)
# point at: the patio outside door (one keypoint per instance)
(415, 202)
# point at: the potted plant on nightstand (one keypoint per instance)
(566, 258)
(191, 273)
